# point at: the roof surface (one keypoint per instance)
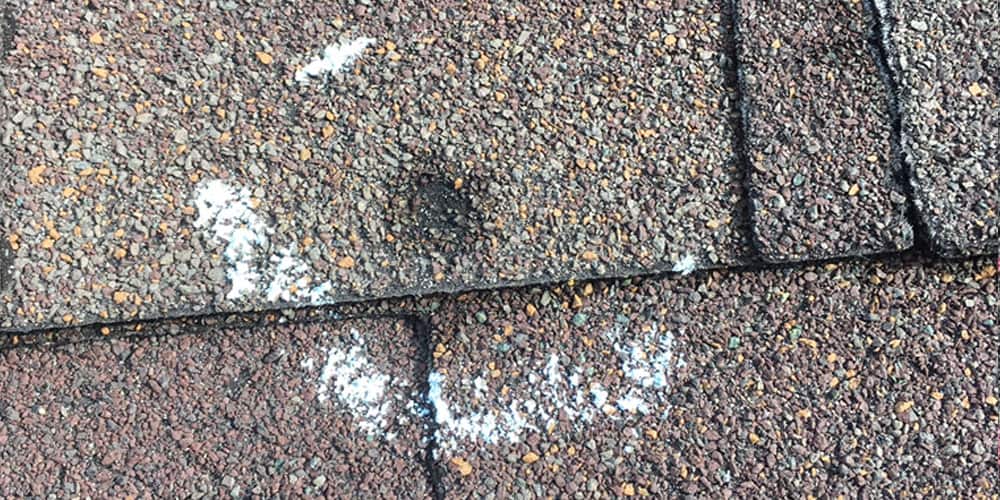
(442, 250)
(721, 382)
(817, 133)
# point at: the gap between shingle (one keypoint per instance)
(880, 25)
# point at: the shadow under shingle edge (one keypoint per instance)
(392, 307)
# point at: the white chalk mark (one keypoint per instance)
(632, 403)
(599, 394)
(308, 363)
(230, 217)
(556, 394)
(356, 384)
(489, 426)
(291, 278)
(335, 58)
(228, 212)
(686, 265)
(649, 371)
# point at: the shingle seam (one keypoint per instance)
(60, 335)
(423, 339)
(737, 82)
(8, 25)
(880, 24)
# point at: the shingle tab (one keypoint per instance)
(944, 55)
(174, 158)
(818, 132)
(276, 411)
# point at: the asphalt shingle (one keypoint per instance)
(280, 410)
(818, 132)
(944, 56)
(851, 379)
(168, 160)
(187, 157)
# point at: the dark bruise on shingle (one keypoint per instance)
(227, 413)
(818, 132)
(780, 381)
(944, 57)
(471, 145)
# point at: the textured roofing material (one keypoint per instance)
(714, 383)
(944, 55)
(279, 410)
(182, 158)
(166, 160)
(818, 133)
